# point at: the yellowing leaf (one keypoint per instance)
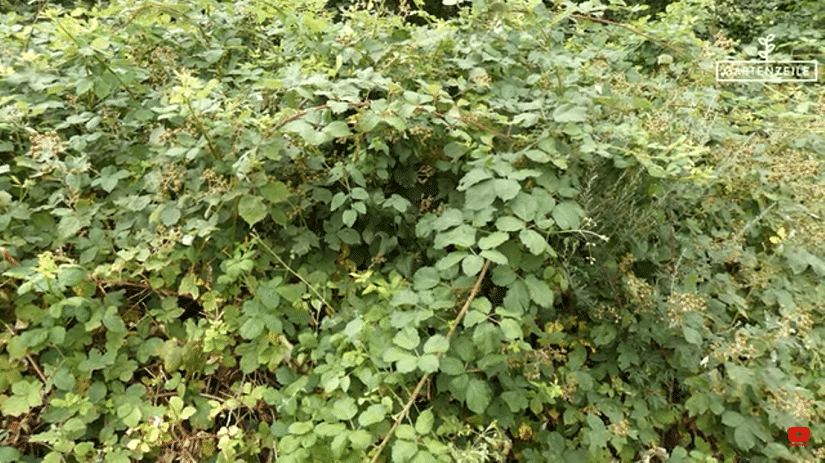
(781, 234)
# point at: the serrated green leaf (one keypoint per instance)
(397, 202)
(396, 122)
(537, 156)
(691, 335)
(291, 293)
(473, 177)
(267, 293)
(603, 335)
(84, 86)
(373, 414)
(463, 235)
(567, 215)
(132, 416)
(344, 409)
(424, 423)
(189, 286)
(732, 419)
(113, 322)
(540, 293)
(450, 260)
(275, 192)
(744, 437)
(71, 224)
(517, 299)
(454, 150)
(510, 328)
(28, 391)
(506, 189)
(799, 260)
(474, 317)
(359, 194)
(492, 240)
(535, 243)
(349, 236)
(405, 431)
(472, 264)
(423, 456)
(569, 113)
(407, 364)
(405, 297)
(448, 219)
(251, 209)
(338, 107)
(330, 429)
(300, 427)
(525, 207)
(407, 338)
(403, 451)
(337, 129)
(349, 217)
(306, 131)
(71, 275)
(428, 363)
(170, 353)
(15, 406)
(337, 200)
(516, 400)
(599, 434)
(509, 224)
(451, 366)
(495, 257)
(436, 344)
(169, 215)
(251, 328)
(426, 278)
(697, 404)
(480, 196)
(526, 119)
(361, 439)
(478, 396)
(63, 379)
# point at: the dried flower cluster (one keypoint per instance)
(796, 402)
(680, 304)
(421, 131)
(167, 135)
(217, 184)
(165, 239)
(640, 291)
(739, 349)
(622, 428)
(792, 166)
(610, 312)
(533, 360)
(46, 146)
(171, 181)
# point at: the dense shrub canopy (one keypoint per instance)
(247, 231)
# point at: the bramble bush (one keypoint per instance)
(798, 23)
(246, 232)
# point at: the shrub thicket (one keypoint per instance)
(247, 232)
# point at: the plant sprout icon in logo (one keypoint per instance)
(765, 70)
(766, 41)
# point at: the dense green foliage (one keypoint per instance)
(246, 232)
(800, 23)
